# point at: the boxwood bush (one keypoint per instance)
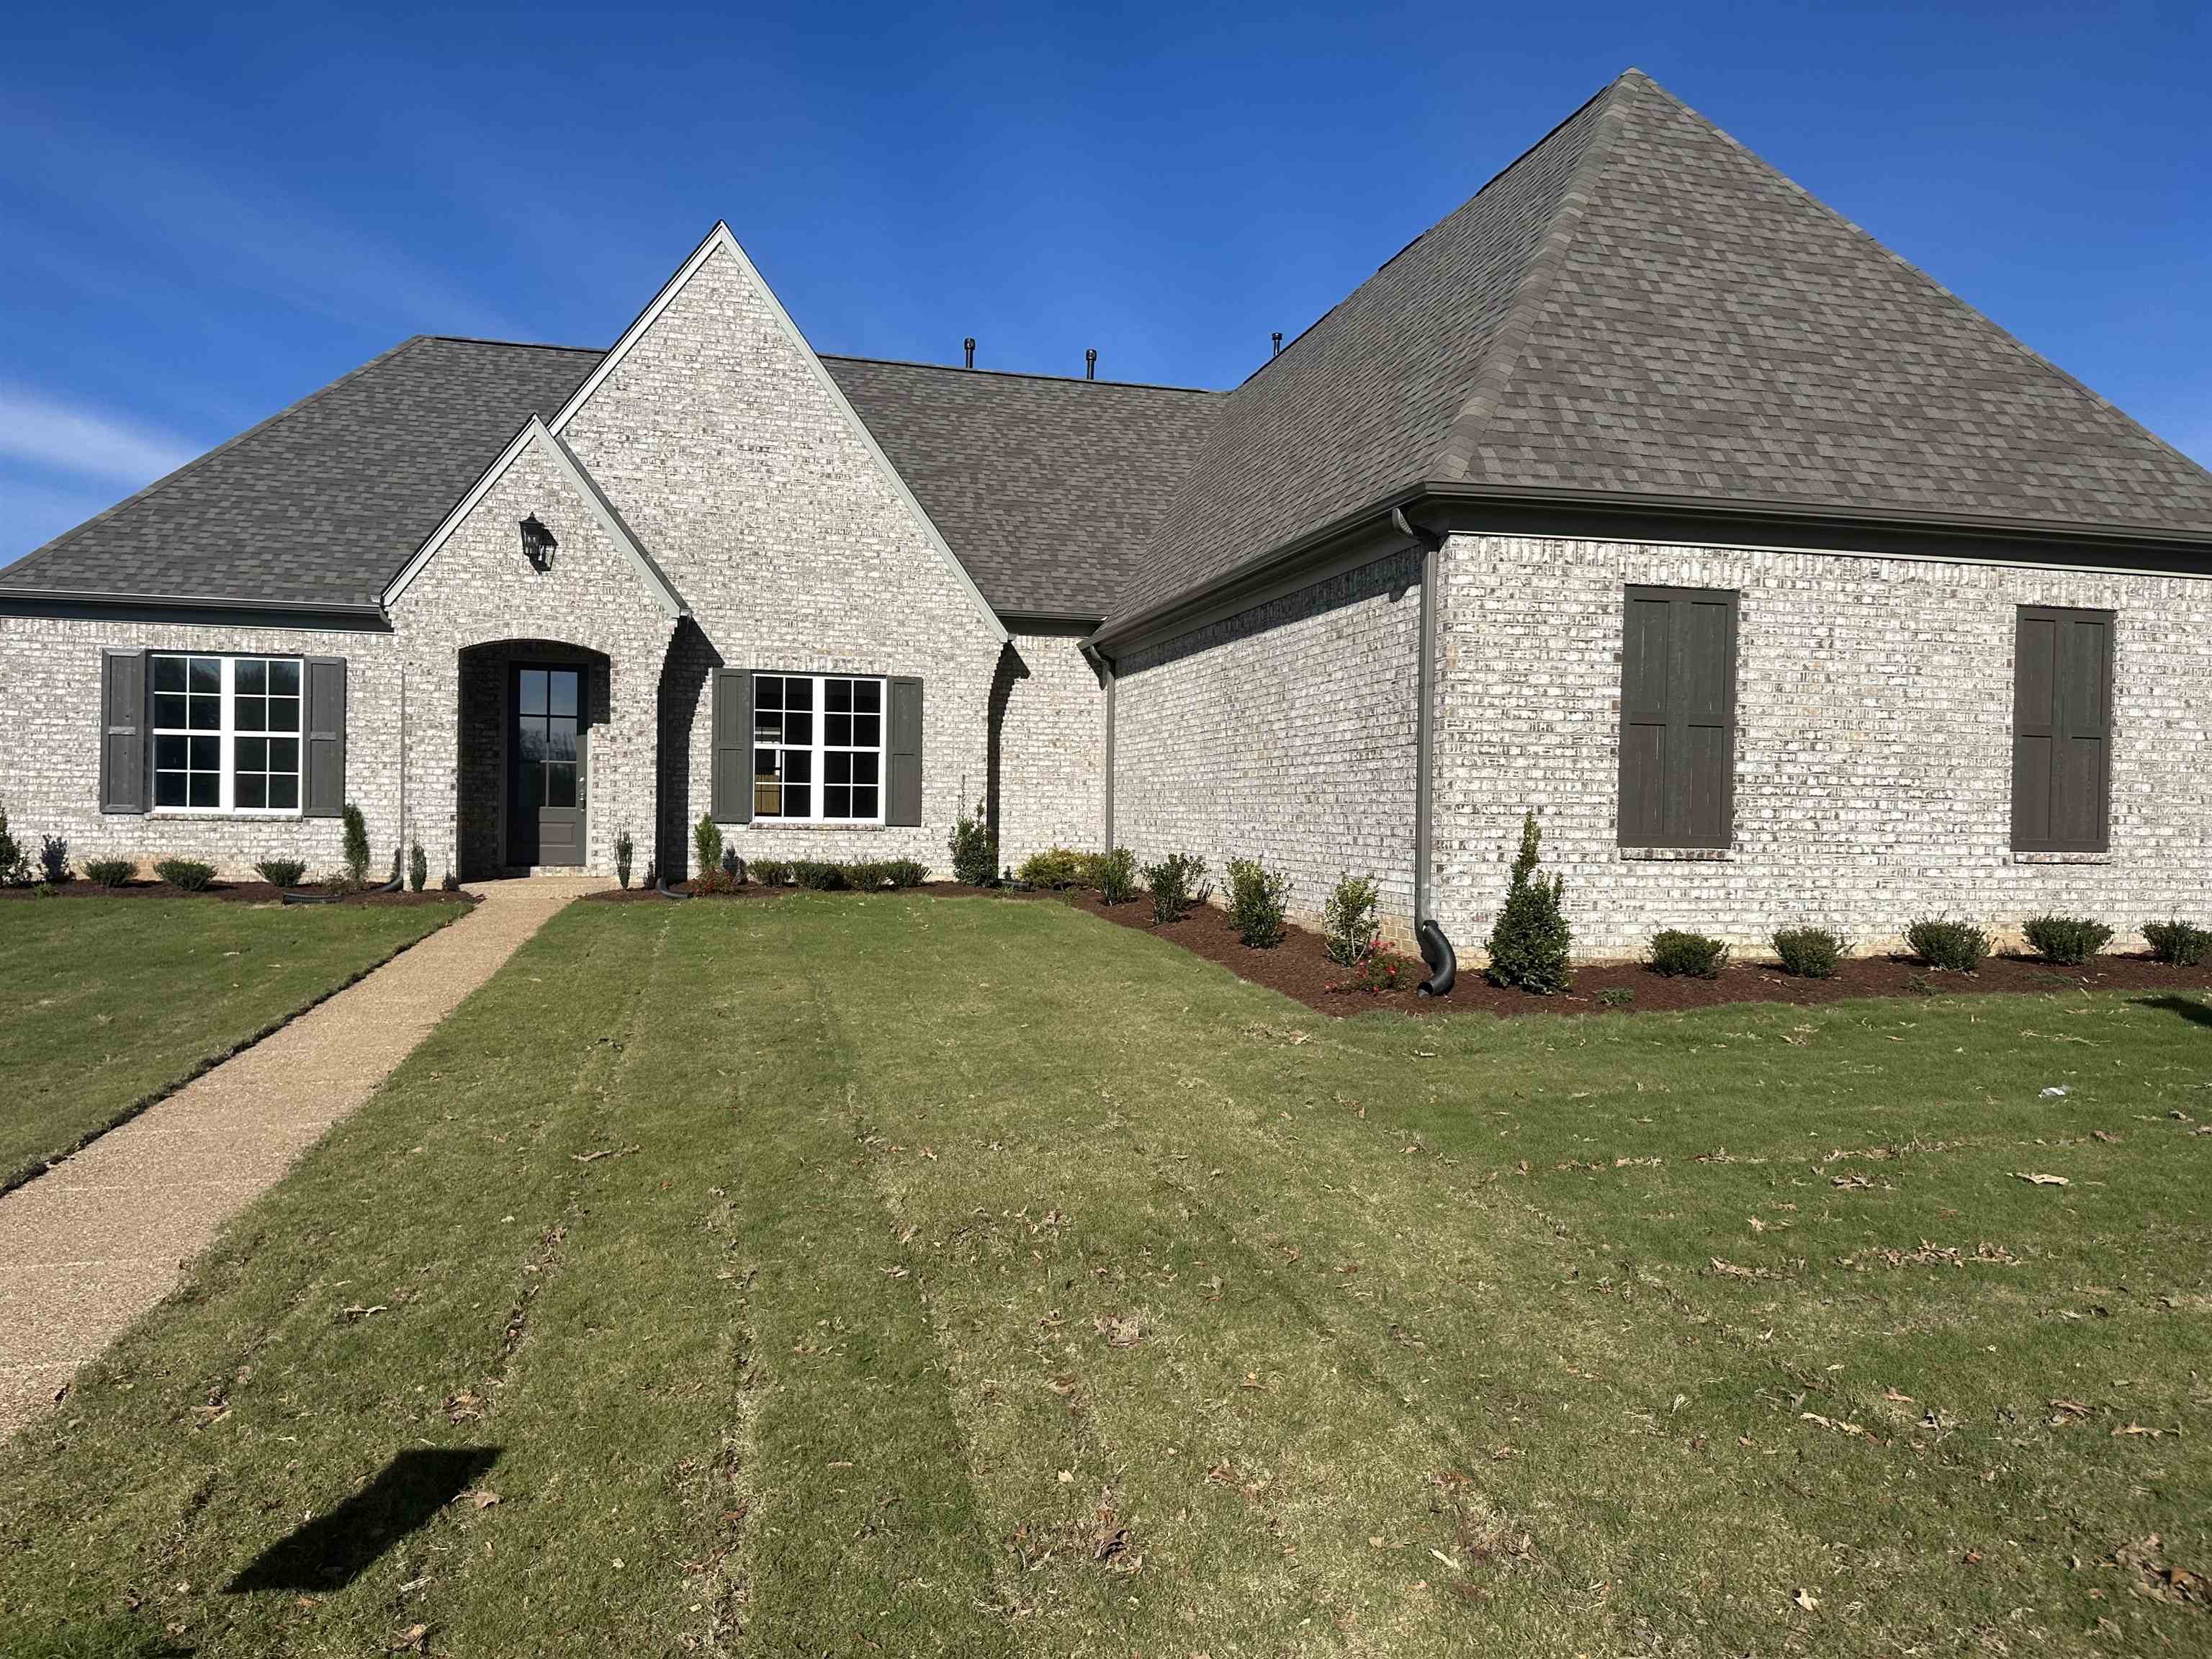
(771, 873)
(2065, 939)
(905, 872)
(1948, 942)
(189, 874)
(818, 876)
(1258, 898)
(110, 872)
(2177, 943)
(282, 872)
(1692, 955)
(1810, 952)
(1054, 867)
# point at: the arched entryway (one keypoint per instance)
(529, 712)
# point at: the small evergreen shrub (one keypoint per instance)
(707, 842)
(1378, 969)
(356, 847)
(1948, 942)
(1054, 867)
(110, 872)
(905, 872)
(974, 849)
(282, 872)
(1258, 898)
(1678, 954)
(1616, 996)
(451, 883)
(1348, 919)
(771, 873)
(2065, 939)
(418, 869)
(1114, 873)
(865, 875)
(53, 860)
(1810, 952)
(819, 877)
(2177, 944)
(625, 851)
(1529, 942)
(13, 866)
(1177, 882)
(190, 875)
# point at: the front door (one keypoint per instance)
(546, 767)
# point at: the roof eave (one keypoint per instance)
(199, 608)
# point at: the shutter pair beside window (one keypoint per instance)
(2062, 731)
(732, 792)
(125, 756)
(1678, 719)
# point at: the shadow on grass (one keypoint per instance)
(2189, 1008)
(110, 1639)
(331, 1551)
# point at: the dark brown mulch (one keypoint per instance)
(755, 890)
(1299, 967)
(234, 892)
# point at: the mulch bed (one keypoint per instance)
(753, 892)
(1299, 967)
(234, 892)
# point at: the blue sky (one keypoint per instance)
(207, 213)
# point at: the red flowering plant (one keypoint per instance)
(1378, 969)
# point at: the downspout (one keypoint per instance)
(1436, 949)
(1104, 666)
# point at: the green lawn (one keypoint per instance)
(913, 1275)
(108, 1001)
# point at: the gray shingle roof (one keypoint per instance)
(1640, 307)
(1046, 488)
(322, 503)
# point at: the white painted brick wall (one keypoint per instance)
(1050, 717)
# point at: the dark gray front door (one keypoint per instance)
(546, 774)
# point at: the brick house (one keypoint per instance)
(1642, 491)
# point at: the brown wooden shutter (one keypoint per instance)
(732, 796)
(124, 767)
(1678, 719)
(323, 764)
(903, 755)
(2062, 731)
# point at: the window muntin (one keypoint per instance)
(817, 748)
(226, 733)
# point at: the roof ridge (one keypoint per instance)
(1017, 373)
(9, 574)
(514, 345)
(1503, 356)
(2004, 335)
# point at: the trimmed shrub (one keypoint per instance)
(451, 883)
(13, 866)
(1948, 942)
(905, 872)
(110, 872)
(189, 874)
(1114, 873)
(1348, 919)
(1529, 942)
(1378, 969)
(707, 843)
(2177, 944)
(282, 872)
(1616, 996)
(771, 873)
(53, 860)
(1258, 898)
(1810, 952)
(356, 847)
(625, 851)
(1678, 954)
(418, 869)
(2067, 940)
(866, 875)
(1177, 882)
(1054, 867)
(819, 877)
(716, 880)
(974, 849)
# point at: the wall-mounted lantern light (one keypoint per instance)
(538, 543)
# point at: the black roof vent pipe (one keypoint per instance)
(1278, 338)
(1091, 364)
(968, 346)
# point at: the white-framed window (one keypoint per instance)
(818, 747)
(226, 733)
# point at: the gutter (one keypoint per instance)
(1436, 949)
(1102, 665)
(158, 607)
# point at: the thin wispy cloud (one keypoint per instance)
(48, 433)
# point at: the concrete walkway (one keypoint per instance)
(93, 1242)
